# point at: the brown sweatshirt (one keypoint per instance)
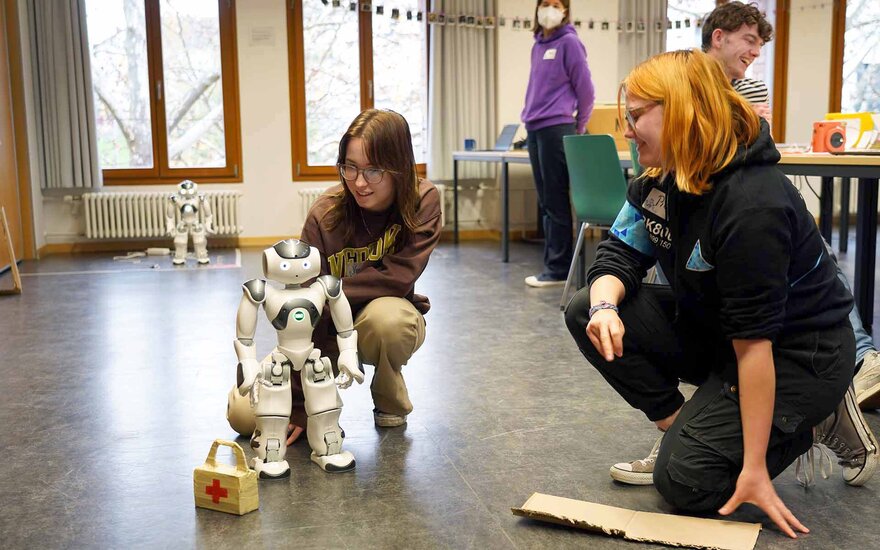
(378, 260)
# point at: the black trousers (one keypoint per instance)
(550, 173)
(702, 452)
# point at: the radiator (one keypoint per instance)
(310, 194)
(112, 215)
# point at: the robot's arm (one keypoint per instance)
(209, 216)
(253, 294)
(170, 209)
(346, 336)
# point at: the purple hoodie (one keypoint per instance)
(559, 82)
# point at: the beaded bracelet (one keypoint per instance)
(603, 305)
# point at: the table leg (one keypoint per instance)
(505, 213)
(844, 214)
(826, 208)
(455, 201)
(866, 243)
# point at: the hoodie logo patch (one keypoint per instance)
(629, 227)
(696, 262)
(656, 203)
(550, 54)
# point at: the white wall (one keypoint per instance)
(809, 74)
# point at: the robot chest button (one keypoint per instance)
(298, 315)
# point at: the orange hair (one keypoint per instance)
(704, 118)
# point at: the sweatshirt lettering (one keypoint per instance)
(349, 261)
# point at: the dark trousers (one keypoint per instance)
(702, 452)
(551, 181)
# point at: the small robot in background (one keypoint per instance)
(187, 201)
(294, 311)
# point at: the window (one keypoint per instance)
(682, 30)
(166, 93)
(343, 60)
(860, 86)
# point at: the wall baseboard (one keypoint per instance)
(249, 242)
(125, 246)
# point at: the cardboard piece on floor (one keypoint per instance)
(666, 529)
(16, 278)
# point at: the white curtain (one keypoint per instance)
(461, 96)
(63, 99)
(643, 32)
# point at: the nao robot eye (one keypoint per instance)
(306, 264)
(284, 265)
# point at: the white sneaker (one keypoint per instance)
(867, 382)
(540, 281)
(637, 472)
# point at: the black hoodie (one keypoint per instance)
(745, 259)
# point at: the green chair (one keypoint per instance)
(598, 189)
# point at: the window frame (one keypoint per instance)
(161, 172)
(838, 37)
(301, 170)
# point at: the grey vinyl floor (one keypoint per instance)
(114, 380)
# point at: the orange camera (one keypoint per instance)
(829, 136)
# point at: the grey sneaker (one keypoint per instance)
(867, 382)
(387, 420)
(637, 472)
(847, 434)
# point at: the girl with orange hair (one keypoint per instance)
(755, 316)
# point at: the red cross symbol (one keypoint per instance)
(216, 491)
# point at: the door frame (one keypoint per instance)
(19, 127)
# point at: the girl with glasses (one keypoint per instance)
(754, 316)
(376, 231)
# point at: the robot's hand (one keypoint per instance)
(349, 369)
(210, 229)
(249, 369)
(169, 230)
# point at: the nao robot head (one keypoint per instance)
(291, 262)
(187, 189)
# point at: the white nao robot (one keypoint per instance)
(188, 201)
(294, 311)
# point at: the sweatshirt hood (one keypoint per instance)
(761, 151)
(557, 34)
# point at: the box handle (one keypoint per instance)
(240, 460)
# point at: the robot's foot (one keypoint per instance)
(178, 261)
(271, 470)
(204, 261)
(335, 464)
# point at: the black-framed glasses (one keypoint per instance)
(633, 115)
(371, 175)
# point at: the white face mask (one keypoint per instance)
(549, 17)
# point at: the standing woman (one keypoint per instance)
(559, 100)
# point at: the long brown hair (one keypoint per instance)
(704, 118)
(388, 145)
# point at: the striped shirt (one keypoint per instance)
(755, 91)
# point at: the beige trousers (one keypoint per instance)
(390, 330)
